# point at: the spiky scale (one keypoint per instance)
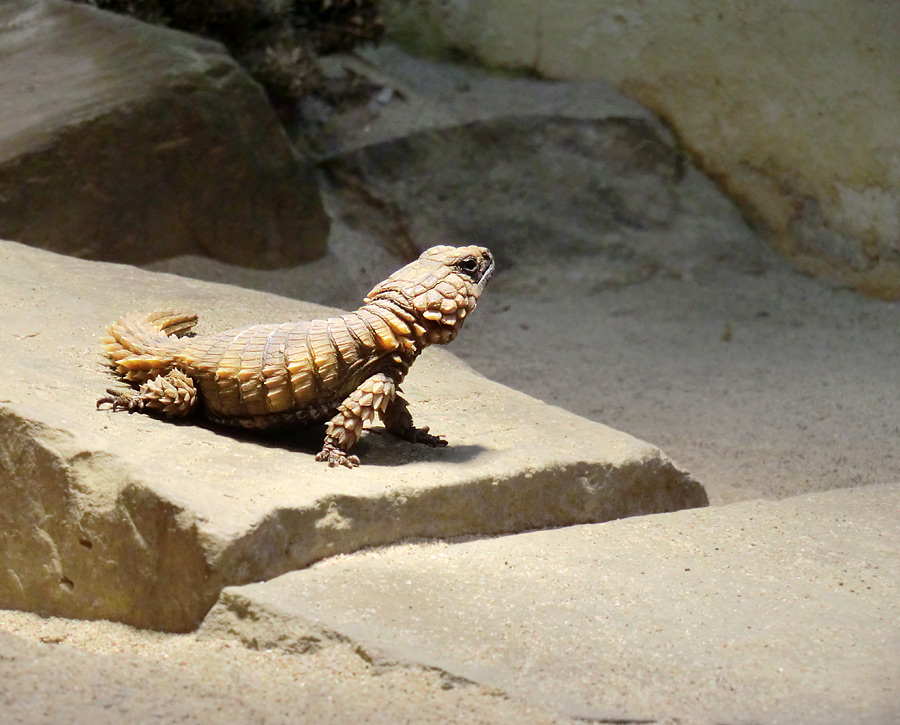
(398, 326)
(324, 354)
(359, 331)
(342, 340)
(384, 336)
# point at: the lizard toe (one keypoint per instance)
(421, 435)
(121, 401)
(336, 457)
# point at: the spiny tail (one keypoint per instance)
(141, 345)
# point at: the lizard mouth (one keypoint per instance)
(488, 272)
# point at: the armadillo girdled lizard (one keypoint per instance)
(344, 370)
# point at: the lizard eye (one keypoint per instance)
(468, 266)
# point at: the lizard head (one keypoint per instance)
(438, 290)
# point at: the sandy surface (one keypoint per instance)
(162, 678)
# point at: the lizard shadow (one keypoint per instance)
(380, 448)
(377, 447)
(299, 439)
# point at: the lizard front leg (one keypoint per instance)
(345, 428)
(398, 420)
(172, 394)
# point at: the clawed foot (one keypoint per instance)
(122, 401)
(421, 435)
(336, 457)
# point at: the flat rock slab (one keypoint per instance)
(128, 142)
(774, 612)
(144, 521)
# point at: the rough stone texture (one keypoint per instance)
(127, 142)
(775, 612)
(470, 182)
(125, 517)
(792, 109)
(46, 684)
(434, 162)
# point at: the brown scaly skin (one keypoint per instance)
(344, 370)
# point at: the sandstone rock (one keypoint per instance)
(128, 142)
(776, 612)
(488, 162)
(129, 518)
(793, 111)
(499, 179)
(574, 171)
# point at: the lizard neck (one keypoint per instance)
(389, 336)
(421, 329)
(410, 334)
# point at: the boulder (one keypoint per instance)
(128, 142)
(144, 521)
(446, 152)
(775, 612)
(794, 112)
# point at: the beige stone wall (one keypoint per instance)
(793, 106)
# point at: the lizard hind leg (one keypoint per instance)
(360, 407)
(173, 394)
(398, 420)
